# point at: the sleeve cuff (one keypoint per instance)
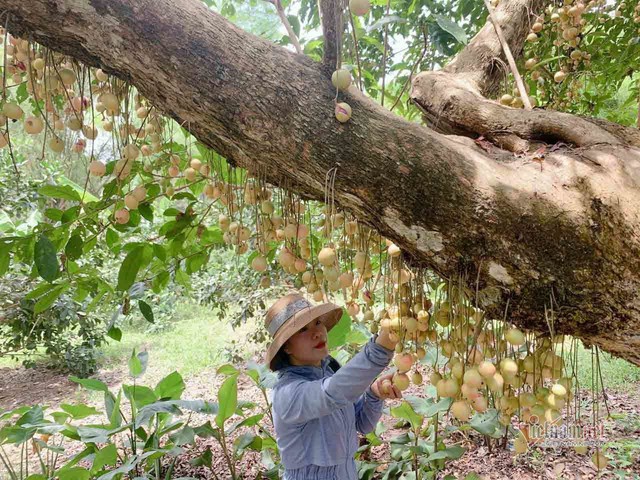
(371, 397)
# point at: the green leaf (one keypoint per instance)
(75, 473)
(115, 333)
(452, 452)
(146, 211)
(385, 20)
(295, 24)
(212, 235)
(146, 311)
(196, 262)
(453, 28)
(184, 437)
(138, 363)
(160, 281)
(54, 214)
(70, 214)
(81, 191)
(22, 93)
(139, 395)
(16, 435)
(338, 334)
(112, 238)
(359, 336)
(40, 290)
(488, 423)
(79, 411)
(6, 225)
(73, 250)
(206, 430)
(247, 422)
(32, 416)
(105, 456)
(182, 278)
(406, 412)
(227, 369)
(91, 384)
(44, 256)
(49, 298)
(203, 460)
(112, 408)
(4, 258)
(427, 407)
(246, 440)
(227, 399)
(131, 265)
(170, 387)
(65, 192)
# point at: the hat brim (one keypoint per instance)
(330, 312)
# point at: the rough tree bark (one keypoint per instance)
(530, 229)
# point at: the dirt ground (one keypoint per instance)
(20, 386)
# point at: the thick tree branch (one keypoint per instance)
(567, 226)
(480, 61)
(453, 100)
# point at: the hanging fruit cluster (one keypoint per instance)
(476, 362)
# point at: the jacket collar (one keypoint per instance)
(306, 371)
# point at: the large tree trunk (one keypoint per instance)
(562, 228)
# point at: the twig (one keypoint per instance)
(509, 55)
(413, 69)
(283, 17)
(355, 46)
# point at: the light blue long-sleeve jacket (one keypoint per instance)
(317, 411)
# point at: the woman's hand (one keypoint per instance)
(384, 339)
(384, 389)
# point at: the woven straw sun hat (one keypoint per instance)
(289, 314)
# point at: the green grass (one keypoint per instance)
(617, 374)
(195, 342)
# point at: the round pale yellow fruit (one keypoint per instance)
(359, 7)
(122, 216)
(343, 112)
(140, 193)
(599, 460)
(33, 125)
(259, 263)
(97, 168)
(486, 369)
(13, 111)
(131, 202)
(514, 336)
(327, 256)
(56, 144)
(403, 362)
(110, 101)
(341, 79)
(130, 152)
(461, 410)
(473, 378)
(401, 380)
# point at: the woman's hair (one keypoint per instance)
(280, 360)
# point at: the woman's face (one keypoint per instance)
(308, 346)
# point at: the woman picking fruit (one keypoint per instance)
(319, 406)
